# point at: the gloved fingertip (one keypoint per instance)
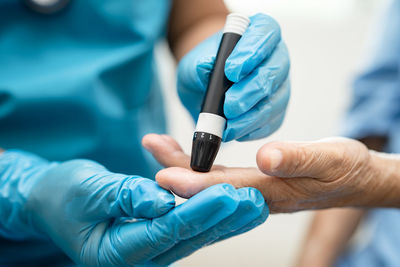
(227, 188)
(203, 70)
(255, 135)
(258, 16)
(263, 19)
(227, 136)
(165, 202)
(266, 211)
(229, 109)
(232, 70)
(254, 195)
(143, 198)
(244, 138)
(252, 201)
(234, 131)
(233, 108)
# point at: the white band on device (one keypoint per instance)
(236, 23)
(210, 123)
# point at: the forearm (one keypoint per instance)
(329, 232)
(386, 169)
(193, 21)
(382, 178)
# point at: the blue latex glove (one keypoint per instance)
(88, 212)
(259, 66)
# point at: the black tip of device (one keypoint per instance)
(204, 150)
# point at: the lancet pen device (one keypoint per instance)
(211, 122)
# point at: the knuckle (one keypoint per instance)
(158, 233)
(264, 19)
(301, 160)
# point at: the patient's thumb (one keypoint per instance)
(295, 159)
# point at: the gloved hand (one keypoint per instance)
(101, 218)
(255, 105)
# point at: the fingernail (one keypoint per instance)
(275, 158)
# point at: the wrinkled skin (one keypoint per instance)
(292, 176)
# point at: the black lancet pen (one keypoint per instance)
(211, 122)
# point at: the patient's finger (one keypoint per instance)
(186, 183)
(166, 150)
(282, 195)
(318, 159)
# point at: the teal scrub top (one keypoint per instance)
(79, 84)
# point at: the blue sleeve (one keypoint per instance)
(376, 95)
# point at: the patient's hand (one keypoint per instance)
(292, 176)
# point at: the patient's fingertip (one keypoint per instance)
(146, 142)
(145, 139)
(173, 179)
(162, 178)
(149, 140)
(269, 159)
(182, 182)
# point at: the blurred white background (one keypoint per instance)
(325, 40)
